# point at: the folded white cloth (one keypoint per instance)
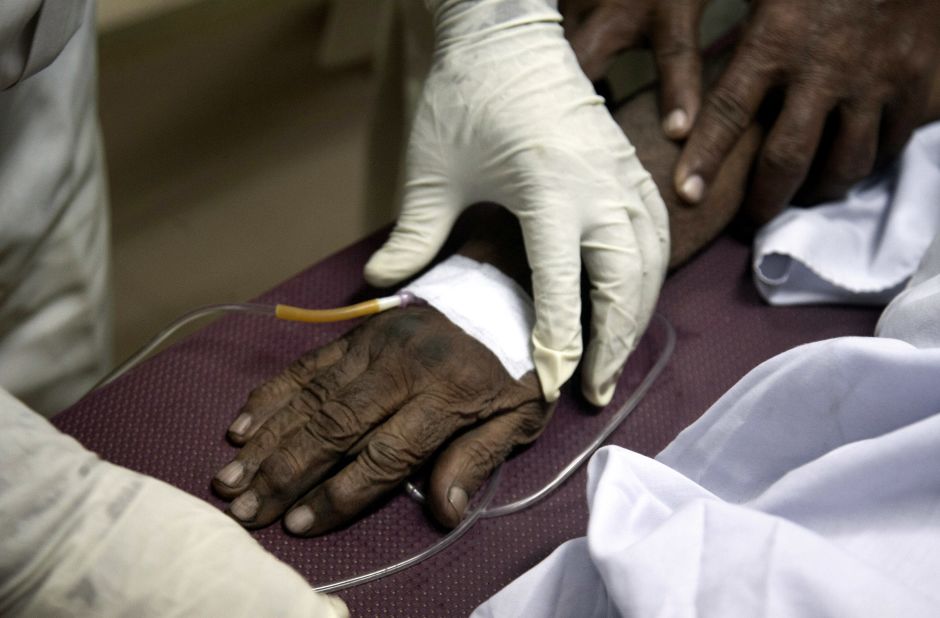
(808, 489)
(861, 249)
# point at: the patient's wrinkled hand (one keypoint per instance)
(861, 70)
(347, 423)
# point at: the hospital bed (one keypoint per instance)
(168, 418)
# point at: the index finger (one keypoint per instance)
(728, 111)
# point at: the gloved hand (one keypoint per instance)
(83, 537)
(507, 116)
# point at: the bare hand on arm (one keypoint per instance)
(866, 65)
(379, 401)
(600, 29)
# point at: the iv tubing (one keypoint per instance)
(484, 510)
(403, 299)
(282, 312)
(619, 416)
(446, 541)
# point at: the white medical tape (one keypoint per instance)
(486, 304)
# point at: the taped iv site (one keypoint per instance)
(486, 505)
(168, 417)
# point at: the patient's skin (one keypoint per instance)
(408, 383)
(691, 228)
(382, 400)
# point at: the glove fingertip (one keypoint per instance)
(554, 367)
(599, 392)
(384, 270)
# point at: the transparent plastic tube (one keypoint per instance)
(446, 541)
(281, 312)
(175, 325)
(615, 421)
(485, 511)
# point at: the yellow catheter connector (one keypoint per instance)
(284, 312)
(319, 316)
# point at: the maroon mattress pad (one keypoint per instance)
(168, 417)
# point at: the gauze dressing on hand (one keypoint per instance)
(486, 304)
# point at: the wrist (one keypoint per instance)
(495, 238)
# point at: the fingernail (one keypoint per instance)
(231, 473)
(676, 124)
(299, 520)
(245, 506)
(458, 499)
(240, 425)
(692, 189)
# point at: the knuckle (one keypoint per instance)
(530, 425)
(311, 397)
(299, 370)
(265, 439)
(847, 173)
(335, 420)
(786, 159)
(483, 458)
(389, 457)
(672, 49)
(281, 470)
(269, 391)
(729, 110)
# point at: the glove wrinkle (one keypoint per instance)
(507, 116)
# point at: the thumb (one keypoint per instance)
(429, 211)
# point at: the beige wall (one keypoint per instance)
(116, 13)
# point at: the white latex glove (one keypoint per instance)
(83, 537)
(507, 116)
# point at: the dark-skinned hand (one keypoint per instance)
(867, 66)
(345, 424)
(598, 30)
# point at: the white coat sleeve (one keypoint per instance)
(83, 537)
(33, 33)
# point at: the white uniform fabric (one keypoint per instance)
(913, 314)
(486, 304)
(83, 537)
(55, 317)
(809, 489)
(861, 249)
